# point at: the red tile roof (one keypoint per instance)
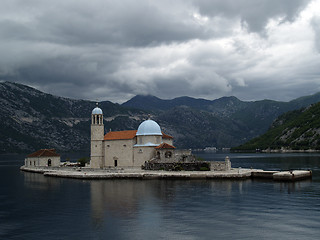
(129, 134)
(44, 153)
(120, 135)
(165, 146)
(166, 136)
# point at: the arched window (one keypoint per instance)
(49, 162)
(168, 154)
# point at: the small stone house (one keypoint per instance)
(43, 158)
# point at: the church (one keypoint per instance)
(131, 148)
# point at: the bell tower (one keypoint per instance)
(97, 136)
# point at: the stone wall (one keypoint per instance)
(142, 154)
(218, 166)
(188, 166)
(177, 166)
(118, 153)
(184, 155)
(174, 155)
(167, 140)
(42, 161)
(96, 153)
(221, 165)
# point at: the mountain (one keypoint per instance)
(232, 121)
(31, 119)
(305, 101)
(152, 103)
(225, 106)
(199, 129)
(295, 130)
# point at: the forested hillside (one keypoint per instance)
(295, 130)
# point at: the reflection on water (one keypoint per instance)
(119, 198)
(292, 187)
(214, 201)
(40, 182)
(153, 202)
(124, 197)
(36, 207)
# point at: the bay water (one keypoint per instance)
(36, 207)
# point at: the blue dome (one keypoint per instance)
(149, 127)
(97, 110)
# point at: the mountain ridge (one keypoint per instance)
(31, 119)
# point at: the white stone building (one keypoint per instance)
(43, 158)
(127, 148)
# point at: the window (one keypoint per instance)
(49, 162)
(168, 154)
(140, 150)
(124, 145)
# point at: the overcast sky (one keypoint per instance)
(114, 50)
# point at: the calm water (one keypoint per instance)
(36, 207)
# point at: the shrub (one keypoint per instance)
(200, 159)
(204, 169)
(82, 161)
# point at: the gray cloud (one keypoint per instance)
(316, 26)
(113, 50)
(130, 23)
(252, 12)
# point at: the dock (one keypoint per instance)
(292, 175)
(134, 173)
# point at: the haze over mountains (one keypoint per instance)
(31, 119)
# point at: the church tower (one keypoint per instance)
(97, 136)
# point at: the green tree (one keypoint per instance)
(82, 161)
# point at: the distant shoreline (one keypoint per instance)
(276, 151)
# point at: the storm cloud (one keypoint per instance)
(113, 50)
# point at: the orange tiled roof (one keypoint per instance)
(165, 146)
(166, 135)
(120, 135)
(128, 134)
(44, 153)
